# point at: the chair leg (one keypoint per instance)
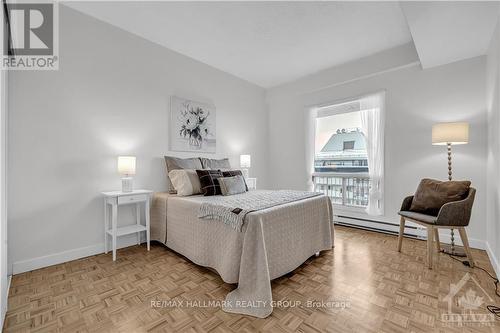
(430, 236)
(465, 241)
(401, 232)
(436, 236)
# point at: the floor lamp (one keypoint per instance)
(451, 134)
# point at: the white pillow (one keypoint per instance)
(185, 181)
(232, 185)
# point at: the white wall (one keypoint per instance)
(4, 285)
(109, 97)
(493, 174)
(415, 100)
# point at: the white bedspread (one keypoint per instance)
(233, 209)
(273, 242)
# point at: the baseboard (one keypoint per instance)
(493, 259)
(4, 310)
(411, 229)
(364, 227)
(375, 225)
(65, 256)
(445, 237)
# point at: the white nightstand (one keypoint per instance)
(251, 183)
(119, 198)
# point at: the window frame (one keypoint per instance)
(330, 113)
(333, 108)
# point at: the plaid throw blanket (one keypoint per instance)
(232, 210)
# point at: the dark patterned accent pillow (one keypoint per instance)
(209, 183)
(232, 173)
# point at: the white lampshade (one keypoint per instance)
(245, 161)
(452, 133)
(126, 165)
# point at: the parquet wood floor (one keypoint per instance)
(386, 291)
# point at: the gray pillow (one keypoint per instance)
(232, 173)
(210, 163)
(232, 185)
(175, 163)
(432, 194)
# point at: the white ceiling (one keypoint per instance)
(270, 43)
(444, 32)
(267, 43)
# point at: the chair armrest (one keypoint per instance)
(407, 203)
(457, 213)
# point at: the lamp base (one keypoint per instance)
(127, 184)
(458, 251)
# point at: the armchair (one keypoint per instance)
(452, 215)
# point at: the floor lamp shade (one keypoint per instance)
(450, 133)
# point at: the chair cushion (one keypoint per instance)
(432, 194)
(419, 217)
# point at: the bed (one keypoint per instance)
(270, 243)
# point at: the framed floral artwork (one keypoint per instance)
(192, 126)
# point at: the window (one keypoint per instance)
(345, 168)
(348, 145)
(341, 166)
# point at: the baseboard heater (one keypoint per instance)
(377, 226)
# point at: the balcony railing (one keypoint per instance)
(347, 189)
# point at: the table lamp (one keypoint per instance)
(126, 167)
(245, 163)
(451, 134)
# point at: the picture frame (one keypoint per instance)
(192, 126)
